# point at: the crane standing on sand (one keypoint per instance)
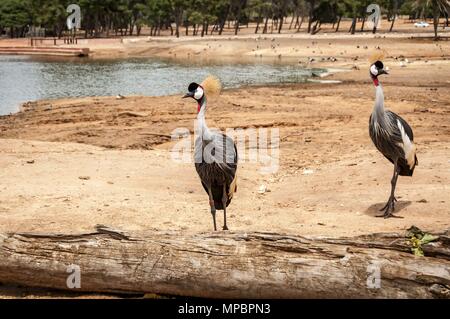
(392, 136)
(215, 153)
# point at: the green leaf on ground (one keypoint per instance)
(417, 238)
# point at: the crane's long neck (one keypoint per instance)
(201, 121)
(378, 113)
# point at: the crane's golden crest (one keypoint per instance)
(378, 55)
(212, 86)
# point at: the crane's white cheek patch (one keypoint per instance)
(374, 70)
(408, 147)
(198, 94)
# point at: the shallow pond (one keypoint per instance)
(25, 78)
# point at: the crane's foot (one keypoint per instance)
(387, 204)
(225, 227)
(389, 209)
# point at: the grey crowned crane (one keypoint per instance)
(215, 154)
(392, 136)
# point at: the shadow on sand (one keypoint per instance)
(374, 210)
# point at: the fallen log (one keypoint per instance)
(228, 264)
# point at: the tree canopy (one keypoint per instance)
(200, 17)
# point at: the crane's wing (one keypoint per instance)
(407, 144)
(214, 158)
(393, 137)
(220, 149)
(404, 124)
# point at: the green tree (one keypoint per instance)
(436, 7)
(16, 16)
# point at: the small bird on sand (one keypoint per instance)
(216, 156)
(392, 136)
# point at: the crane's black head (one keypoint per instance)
(377, 69)
(195, 91)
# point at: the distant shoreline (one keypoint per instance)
(287, 47)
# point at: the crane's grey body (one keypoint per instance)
(217, 166)
(216, 159)
(394, 138)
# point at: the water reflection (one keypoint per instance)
(26, 79)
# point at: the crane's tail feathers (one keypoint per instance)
(412, 158)
(233, 187)
(408, 146)
(405, 169)
(212, 86)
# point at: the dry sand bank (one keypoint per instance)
(288, 47)
(298, 48)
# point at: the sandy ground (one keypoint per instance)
(301, 48)
(70, 164)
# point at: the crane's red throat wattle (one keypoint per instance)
(376, 82)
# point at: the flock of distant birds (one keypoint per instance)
(216, 156)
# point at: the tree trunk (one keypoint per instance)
(238, 17)
(131, 28)
(177, 23)
(300, 24)
(395, 9)
(353, 26)
(225, 18)
(436, 13)
(316, 28)
(265, 24)
(203, 29)
(280, 26)
(227, 264)
(297, 21)
(258, 22)
(292, 21)
(311, 15)
(338, 23)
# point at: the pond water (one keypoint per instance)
(25, 78)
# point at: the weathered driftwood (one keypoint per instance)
(224, 265)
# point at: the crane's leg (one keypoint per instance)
(224, 202)
(390, 205)
(213, 208)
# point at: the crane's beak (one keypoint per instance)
(190, 94)
(383, 71)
